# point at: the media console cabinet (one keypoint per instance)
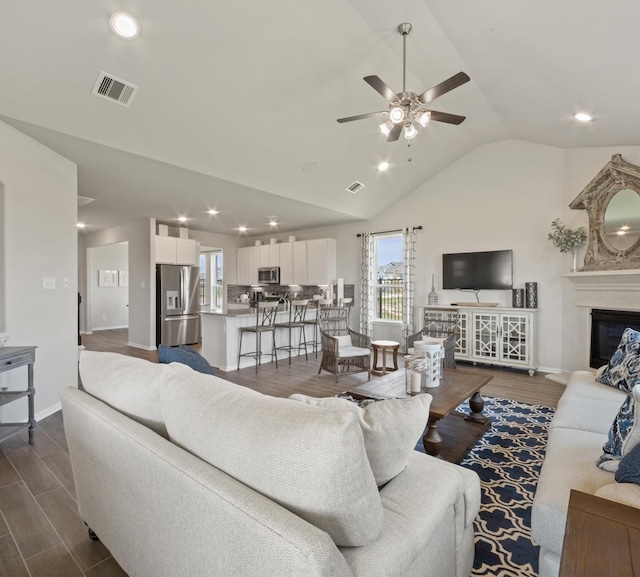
(501, 336)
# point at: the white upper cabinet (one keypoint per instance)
(321, 261)
(304, 262)
(172, 250)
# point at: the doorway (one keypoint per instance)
(107, 302)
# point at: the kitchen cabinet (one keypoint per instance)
(498, 336)
(248, 262)
(321, 261)
(303, 262)
(172, 250)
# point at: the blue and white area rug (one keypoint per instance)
(507, 459)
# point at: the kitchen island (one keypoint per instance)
(221, 334)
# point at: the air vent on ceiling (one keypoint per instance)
(115, 89)
(84, 200)
(355, 187)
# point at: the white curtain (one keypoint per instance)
(367, 283)
(409, 279)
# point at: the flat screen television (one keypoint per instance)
(491, 270)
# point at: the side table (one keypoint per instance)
(12, 358)
(601, 539)
(384, 346)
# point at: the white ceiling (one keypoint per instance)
(237, 102)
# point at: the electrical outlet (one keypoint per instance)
(49, 282)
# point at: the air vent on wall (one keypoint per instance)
(355, 187)
(115, 89)
(84, 200)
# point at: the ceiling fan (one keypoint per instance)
(408, 108)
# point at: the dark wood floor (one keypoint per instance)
(41, 533)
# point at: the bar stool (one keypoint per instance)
(297, 313)
(265, 323)
(320, 304)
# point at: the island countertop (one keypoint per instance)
(221, 335)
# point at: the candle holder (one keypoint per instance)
(415, 367)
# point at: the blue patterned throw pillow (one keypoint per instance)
(629, 468)
(624, 434)
(623, 370)
(185, 355)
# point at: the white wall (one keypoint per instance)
(109, 305)
(40, 236)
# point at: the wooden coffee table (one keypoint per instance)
(449, 434)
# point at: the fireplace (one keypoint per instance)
(607, 327)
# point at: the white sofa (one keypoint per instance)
(577, 435)
(162, 511)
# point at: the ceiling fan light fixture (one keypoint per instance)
(423, 117)
(410, 131)
(396, 114)
(385, 128)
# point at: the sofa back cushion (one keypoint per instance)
(128, 384)
(391, 429)
(308, 459)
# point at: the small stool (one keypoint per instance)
(384, 346)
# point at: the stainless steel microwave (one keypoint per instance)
(269, 275)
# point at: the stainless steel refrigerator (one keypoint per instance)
(177, 305)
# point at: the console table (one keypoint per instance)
(601, 539)
(12, 358)
(502, 336)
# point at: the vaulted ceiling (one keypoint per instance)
(237, 101)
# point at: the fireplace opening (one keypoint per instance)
(607, 327)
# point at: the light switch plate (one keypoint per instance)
(49, 282)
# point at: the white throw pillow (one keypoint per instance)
(391, 429)
(310, 460)
(344, 341)
(128, 384)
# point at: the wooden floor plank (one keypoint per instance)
(108, 568)
(8, 475)
(54, 562)
(59, 464)
(35, 474)
(62, 512)
(28, 524)
(11, 563)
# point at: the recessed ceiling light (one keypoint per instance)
(183, 218)
(583, 117)
(273, 223)
(81, 225)
(124, 25)
(242, 228)
(212, 211)
(383, 166)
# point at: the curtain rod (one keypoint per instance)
(390, 231)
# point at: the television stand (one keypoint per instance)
(493, 335)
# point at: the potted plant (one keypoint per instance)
(567, 240)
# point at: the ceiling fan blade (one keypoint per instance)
(446, 117)
(395, 132)
(444, 87)
(380, 87)
(359, 116)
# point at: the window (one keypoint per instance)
(211, 288)
(390, 281)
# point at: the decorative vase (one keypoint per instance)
(432, 297)
(574, 266)
(531, 295)
(518, 298)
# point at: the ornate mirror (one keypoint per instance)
(612, 201)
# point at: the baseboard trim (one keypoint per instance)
(139, 346)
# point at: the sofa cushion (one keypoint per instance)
(583, 384)
(623, 370)
(128, 384)
(391, 429)
(624, 433)
(185, 355)
(308, 459)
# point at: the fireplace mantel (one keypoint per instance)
(608, 289)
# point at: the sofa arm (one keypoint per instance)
(625, 493)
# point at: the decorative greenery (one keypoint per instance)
(564, 238)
